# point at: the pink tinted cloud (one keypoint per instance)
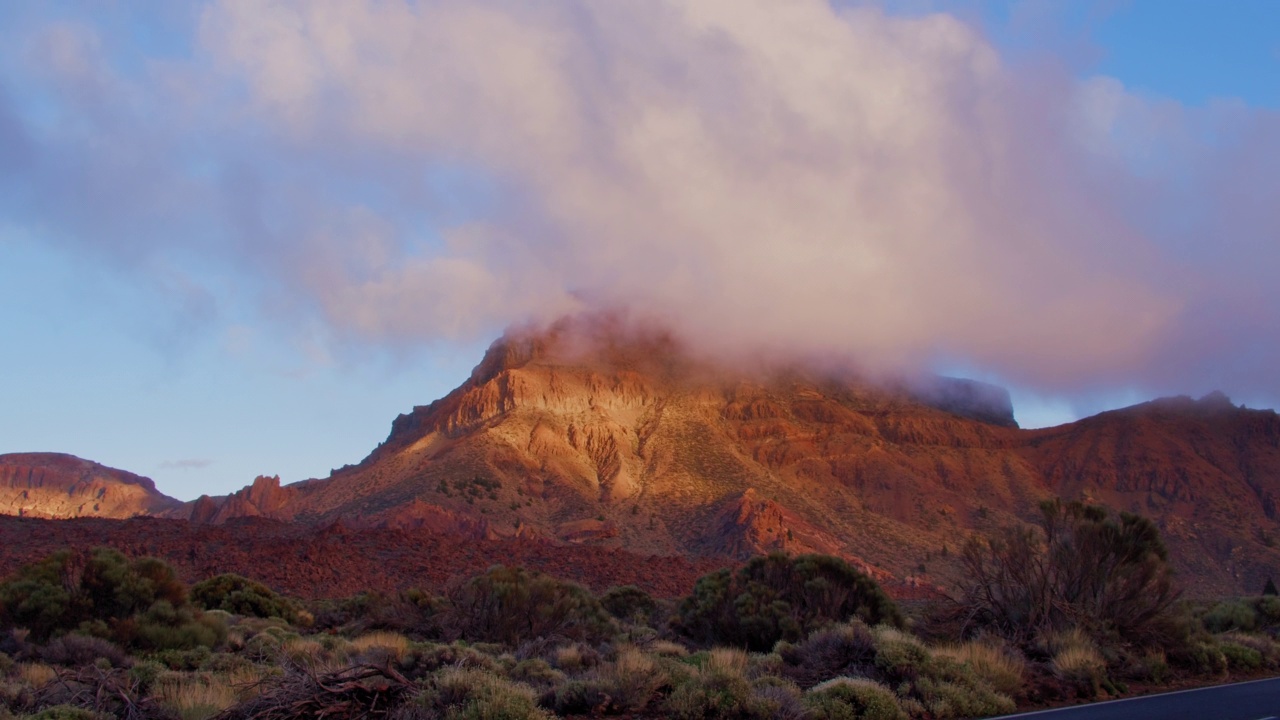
(761, 176)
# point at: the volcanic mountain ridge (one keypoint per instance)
(591, 434)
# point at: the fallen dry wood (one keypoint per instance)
(356, 693)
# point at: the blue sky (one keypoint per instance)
(196, 271)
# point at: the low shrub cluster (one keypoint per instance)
(241, 596)
(135, 603)
(778, 597)
(96, 635)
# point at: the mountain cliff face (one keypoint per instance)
(52, 485)
(1206, 470)
(586, 435)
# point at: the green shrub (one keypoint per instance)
(423, 659)
(714, 684)
(961, 699)
(1266, 647)
(583, 696)
(510, 604)
(1202, 657)
(1269, 608)
(97, 591)
(1231, 615)
(459, 694)
(182, 660)
(1240, 657)
(145, 673)
(165, 627)
(899, 656)
(536, 671)
(953, 681)
(629, 602)
(118, 588)
(42, 597)
(242, 596)
(845, 698)
(709, 694)
(777, 597)
(1151, 666)
(412, 612)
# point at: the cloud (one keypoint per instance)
(761, 176)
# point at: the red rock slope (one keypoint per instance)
(589, 435)
(52, 485)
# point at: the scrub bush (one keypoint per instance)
(1082, 567)
(242, 596)
(777, 597)
(845, 698)
(509, 604)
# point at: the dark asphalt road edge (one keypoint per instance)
(1046, 711)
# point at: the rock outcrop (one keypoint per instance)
(264, 498)
(54, 485)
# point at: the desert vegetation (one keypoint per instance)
(1080, 605)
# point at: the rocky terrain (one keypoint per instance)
(593, 435)
(51, 485)
(336, 561)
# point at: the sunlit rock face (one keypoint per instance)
(52, 485)
(592, 433)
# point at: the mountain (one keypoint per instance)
(589, 433)
(1206, 470)
(53, 485)
(594, 434)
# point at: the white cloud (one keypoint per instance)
(764, 176)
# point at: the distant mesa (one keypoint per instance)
(596, 435)
(55, 485)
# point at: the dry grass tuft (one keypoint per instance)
(1002, 670)
(36, 675)
(394, 644)
(666, 648)
(248, 682)
(195, 696)
(571, 658)
(727, 661)
(632, 680)
(1081, 664)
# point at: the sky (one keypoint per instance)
(239, 237)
